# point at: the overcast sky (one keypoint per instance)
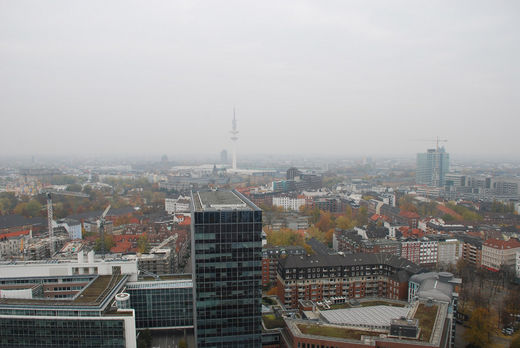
(317, 77)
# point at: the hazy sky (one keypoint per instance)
(331, 77)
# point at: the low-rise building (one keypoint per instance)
(411, 250)
(270, 258)
(288, 203)
(352, 242)
(320, 277)
(180, 204)
(471, 249)
(497, 253)
(428, 253)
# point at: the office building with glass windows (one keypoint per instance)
(163, 304)
(65, 311)
(227, 270)
(432, 167)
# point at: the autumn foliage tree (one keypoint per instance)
(284, 236)
(480, 329)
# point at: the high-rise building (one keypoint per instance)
(227, 270)
(432, 167)
(223, 156)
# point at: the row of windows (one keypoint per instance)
(61, 333)
(162, 307)
(227, 217)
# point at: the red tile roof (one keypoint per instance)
(14, 234)
(121, 247)
(411, 232)
(502, 244)
(449, 211)
(186, 221)
(409, 214)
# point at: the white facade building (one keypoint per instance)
(429, 251)
(73, 227)
(88, 265)
(177, 205)
(288, 203)
(449, 251)
(497, 253)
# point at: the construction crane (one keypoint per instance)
(436, 141)
(49, 195)
(101, 228)
(440, 141)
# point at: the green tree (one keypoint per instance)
(20, 208)
(8, 202)
(315, 215)
(362, 216)
(183, 344)
(33, 208)
(74, 187)
(345, 223)
(142, 244)
(108, 244)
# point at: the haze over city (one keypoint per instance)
(267, 174)
(321, 78)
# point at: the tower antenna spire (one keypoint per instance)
(234, 138)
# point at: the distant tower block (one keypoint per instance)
(223, 156)
(234, 138)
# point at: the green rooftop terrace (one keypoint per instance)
(334, 331)
(426, 315)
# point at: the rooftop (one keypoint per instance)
(9, 221)
(502, 244)
(220, 200)
(93, 294)
(374, 316)
(305, 261)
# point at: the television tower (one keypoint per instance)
(234, 138)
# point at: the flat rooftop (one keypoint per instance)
(93, 294)
(374, 316)
(220, 200)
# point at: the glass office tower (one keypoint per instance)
(432, 167)
(227, 270)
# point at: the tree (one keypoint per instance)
(325, 222)
(315, 215)
(30, 209)
(406, 203)
(20, 208)
(284, 236)
(33, 208)
(345, 223)
(329, 236)
(480, 329)
(108, 244)
(183, 344)
(362, 216)
(74, 188)
(142, 244)
(8, 202)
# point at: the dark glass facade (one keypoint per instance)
(56, 333)
(164, 307)
(227, 260)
